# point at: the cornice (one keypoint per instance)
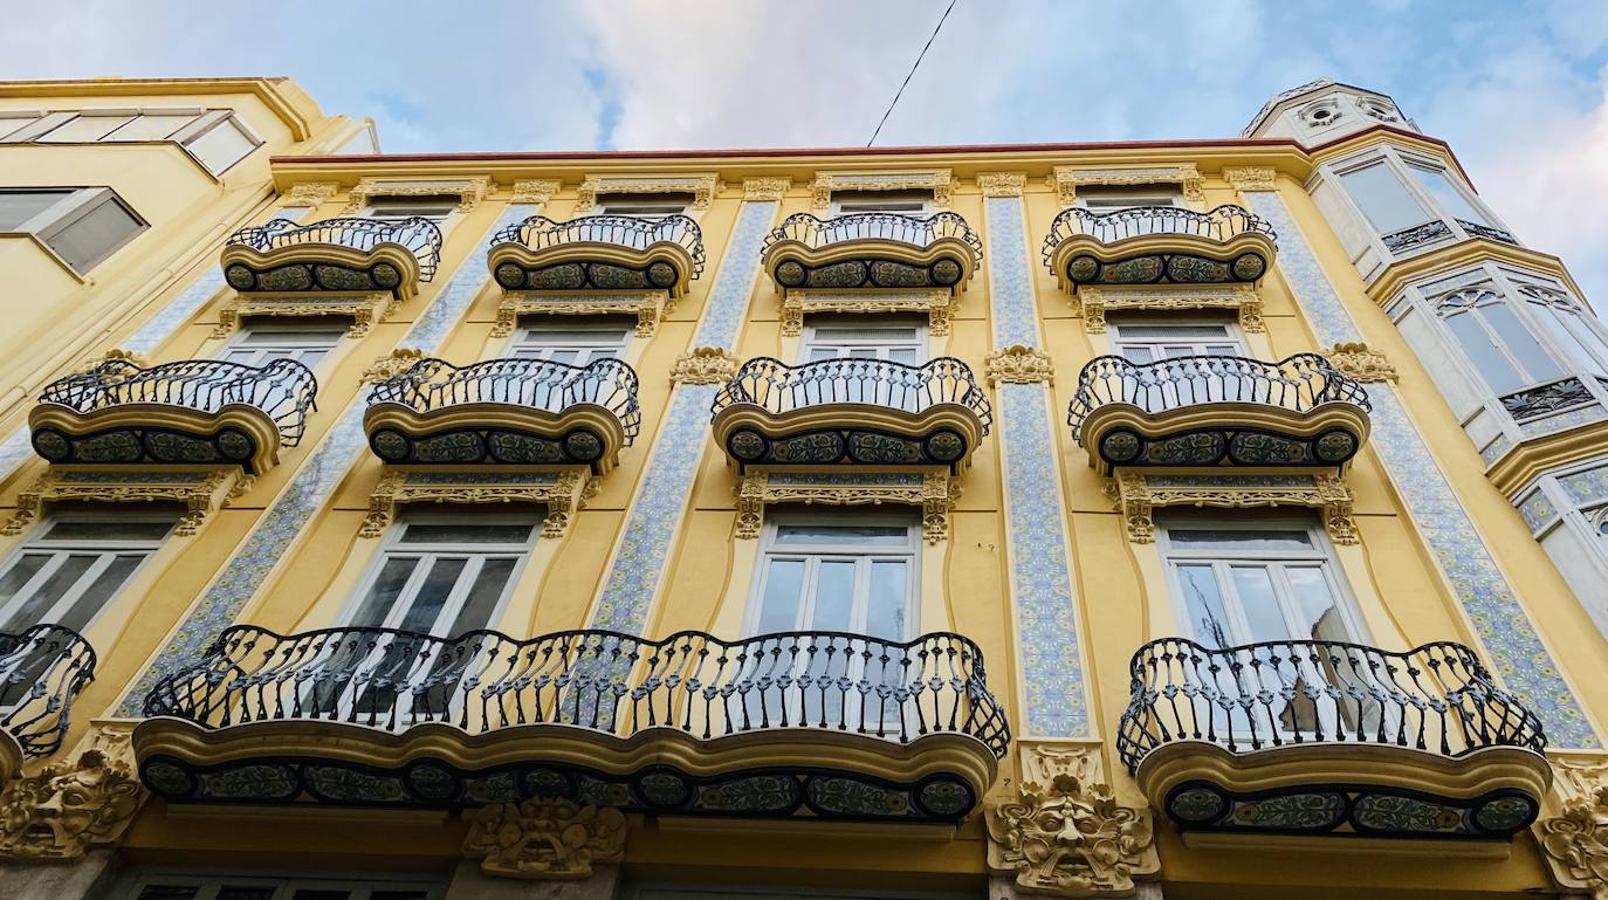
(1459, 255)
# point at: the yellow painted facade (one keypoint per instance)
(1053, 562)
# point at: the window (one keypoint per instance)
(1572, 328)
(1447, 195)
(83, 226)
(1498, 345)
(74, 565)
(1105, 198)
(909, 203)
(1381, 196)
(645, 206)
(1140, 341)
(577, 344)
(436, 209)
(222, 145)
(184, 887)
(216, 138)
(890, 340)
(257, 345)
(444, 575)
(86, 127)
(1598, 518)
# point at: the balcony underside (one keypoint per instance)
(849, 434)
(1224, 434)
(495, 434)
(870, 263)
(771, 773)
(592, 266)
(319, 268)
(11, 757)
(1162, 259)
(152, 433)
(1346, 790)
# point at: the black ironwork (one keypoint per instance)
(432, 384)
(1487, 231)
(41, 670)
(1221, 224)
(631, 232)
(1417, 236)
(1299, 384)
(283, 390)
(419, 235)
(779, 389)
(607, 682)
(1547, 399)
(873, 269)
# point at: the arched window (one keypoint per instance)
(1570, 326)
(1504, 351)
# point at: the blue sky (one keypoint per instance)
(1519, 90)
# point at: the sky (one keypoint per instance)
(1519, 90)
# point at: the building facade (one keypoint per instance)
(1221, 518)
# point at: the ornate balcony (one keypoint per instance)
(196, 411)
(872, 250)
(851, 411)
(505, 412)
(1320, 738)
(598, 253)
(1218, 411)
(1158, 245)
(41, 670)
(335, 256)
(801, 723)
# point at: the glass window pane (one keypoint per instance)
(1173, 332)
(1320, 616)
(820, 353)
(906, 355)
(221, 146)
(1384, 199)
(1208, 617)
(1259, 603)
(784, 586)
(17, 207)
(1270, 539)
(93, 236)
(890, 592)
(834, 596)
(396, 895)
(169, 892)
(25, 568)
(465, 533)
(320, 894)
(246, 892)
(426, 605)
(1483, 355)
(101, 590)
(866, 535)
(69, 530)
(394, 574)
(1451, 200)
(483, 595)
(84, 128)
(1575, 335)
(1138, 355)
(57, 583)
(149, 127)
(1521, 343)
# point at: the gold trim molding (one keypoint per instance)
(563, 494)
(702, 187)
(364, 310)
(704, 365)
(1062, 832)
(535, 191)
(545, 837)
(940, 181)
(1575, 841)
(1137, 497)
(935, 494)
(758, 189)
(938, 304)
(1019, 364)
(1361, 362)
(309, 193)
(1002, 184)
(650, 308)
(470, 191)
(202, 491)
(61, 811)
(1251, 178)
(1065, 180)
(1094, 302)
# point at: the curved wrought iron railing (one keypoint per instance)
(1437, 698)
(283, 389)
(419, 235)
(432, 384)
(780, 388)
(633, 232)
(616, 683)
(1220, 224)
(41, 670)
(815, 232)
(1298, 383)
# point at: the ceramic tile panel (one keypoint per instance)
(1587, 486)
(1537, 510)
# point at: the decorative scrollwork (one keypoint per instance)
(201, 492)
(1137, 495)
(934, 492)
(1251, 178)
(702, 187)
(1002, 184)
(535, 191)
(1066, 180)
(1361, 363)
(704, 365)
(649, 307)
(310, 193)
(1020, 364)
(939, 181)
(545, 837)
(1576, 840)
(363, 311)
(758, 189)
(469, 191)
(1095, 302)
(561, 492)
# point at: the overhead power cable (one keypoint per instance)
(919, 57)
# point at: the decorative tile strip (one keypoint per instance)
(1041, 584)
(287, 518)
(1508, 635)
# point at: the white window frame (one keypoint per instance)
(1232, 334)
(862, 555)
(651, 207)
(36, 543)
(1137, 196)
(77, 203)
(209, 885)
(200, 122)
(287, 347)
(918, 202)
(395, 209)
(812, 340)
(1399, 164)
(528, 343)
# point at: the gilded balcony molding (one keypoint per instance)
(1362, 363)
(562, 492)
(934, 492)
(1019, 364)
(704, 365)
(649, 307)
(1251, 178)
(470, 191)
(760, 189)
(1063, 833)
(535, 191)
(1065, 180)
(1002, 184)
(939, 181)
(545, 837)
(1095, 302)
(1158, 245)
(1137, 495)
(702, 186)
(309, 193)
(1575, 840)
(201, 490)
(363, 310)
(938, 305)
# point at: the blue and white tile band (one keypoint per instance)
(1041, 582)
(639, 561)
(1509, 636)
(251, 565)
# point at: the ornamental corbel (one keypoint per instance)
(63, 810)
(545, 837)
(1251, 178)
(387, 367)
(751, 505)
(704, 365)
(1063, 833)
(760, 189)
(534, 192)
(1576, 839)
(1002, 184)
(116, 354)
(1362, 363)
(1019, 364)
(309, 193)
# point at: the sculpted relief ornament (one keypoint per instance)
(1019, 364)
(1576, 841)
(704, 365)
(545, 837)
(1362, 363)
(63, 810)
